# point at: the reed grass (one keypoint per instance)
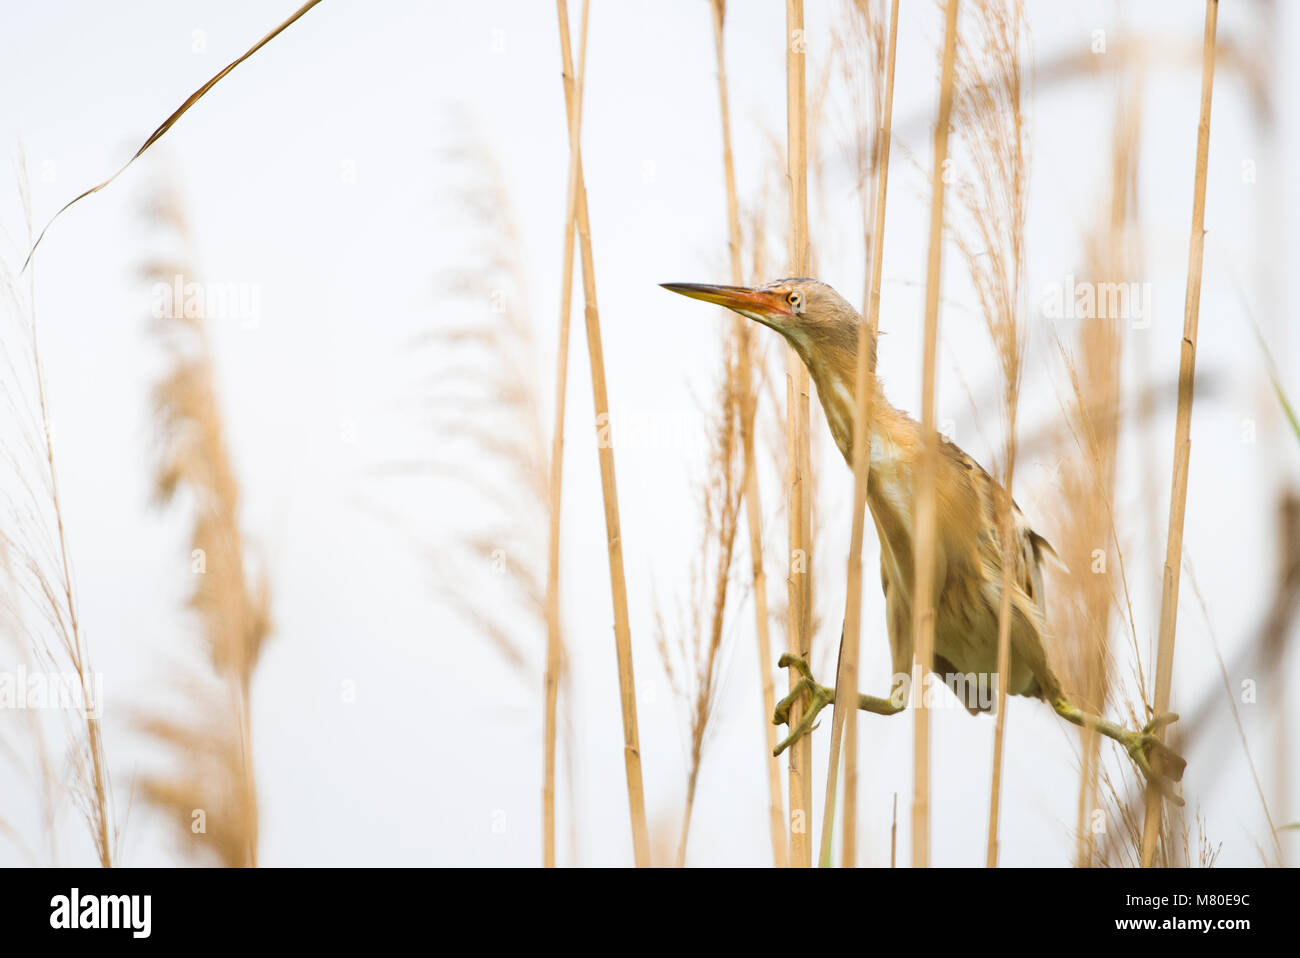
(746, 408)
(1183, 424)
(989, 115)
(168, 123)
(925, 521)
(1084, 610)
(553, 631)
(212, 741)
(845, 716)
(694, 661)
(41, 603)
(799, 576)
(609, 489)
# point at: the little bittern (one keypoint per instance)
(826, 333)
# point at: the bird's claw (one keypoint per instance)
(1159, 764)
(819, 696)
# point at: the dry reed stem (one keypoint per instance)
(753, 505)
(845, 716)
(609, 489)
(990, 117)
(799, 580)
(40, 561)
(925, 523)
(1183, 423)
(553, 634)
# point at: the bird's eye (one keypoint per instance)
(795, 300)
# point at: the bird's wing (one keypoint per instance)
(1030, 549)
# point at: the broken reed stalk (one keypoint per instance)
(797, 428)
(845, 716)
(609, 489)
(925, 522)
(753, 511)
(554, 639)
(1183, 423)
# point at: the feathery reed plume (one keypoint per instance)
(988, 112)
(212, 801)
(693, 661)
(553, 633)
(482, 399)
(845, 716)
(1183, 425)
(925, 520)
(609, 488)
(799, 560)
(39, 600)
(746, 398)
(1083, 609)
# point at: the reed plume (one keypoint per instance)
(992, 141)
(211, 796)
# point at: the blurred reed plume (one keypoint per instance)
(480, 405)
(38, 602)
(991, 150)
(1095, 585)
(210, 795)
(691, 650)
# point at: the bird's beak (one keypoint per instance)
(763, 305)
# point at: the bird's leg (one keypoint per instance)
(1159, 764)
(819, 697)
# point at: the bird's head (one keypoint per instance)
(821, 326)
(813, 317)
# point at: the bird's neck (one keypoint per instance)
(835, 374)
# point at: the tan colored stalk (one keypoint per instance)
(926, 518)
(554, 639)
(989, 114)
(42, 553)
(797, 429)
(753, 511)
(845, 717)
(1183, 423)
(609, 489)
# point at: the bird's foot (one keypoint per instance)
(819, 696)
(1160, 764)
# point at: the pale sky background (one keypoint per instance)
(315, 173)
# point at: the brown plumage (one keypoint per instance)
(826, 332)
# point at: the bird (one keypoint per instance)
(826, 332)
